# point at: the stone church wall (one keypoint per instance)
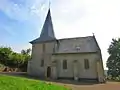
(82, 72)
(34, 66)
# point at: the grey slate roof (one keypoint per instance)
(47, 33)
(67, 45)
(77, 45)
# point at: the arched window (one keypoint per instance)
(42, 62)
(64, 64)
(86, 63)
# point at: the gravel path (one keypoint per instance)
(107, 86)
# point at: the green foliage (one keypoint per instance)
(113, 78)
(12, 59)
(5, 53)
(1, 67)
(19, 83)
(113, 62)
(26, 52)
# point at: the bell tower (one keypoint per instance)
(43, 48)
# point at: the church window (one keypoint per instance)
(55, 47)
(86, 63)
(42, 62)
(43, 47)
(64, 64)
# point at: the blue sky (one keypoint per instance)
(21, 21)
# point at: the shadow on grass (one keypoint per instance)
(24, 74)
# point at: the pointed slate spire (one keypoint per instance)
(47, 33)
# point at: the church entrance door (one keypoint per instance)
(48, 72)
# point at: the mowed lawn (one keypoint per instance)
(19, 83)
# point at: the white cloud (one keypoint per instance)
(29, 11)
(73, 18)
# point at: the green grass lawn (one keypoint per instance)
(19, 83)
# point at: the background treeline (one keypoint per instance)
(12, 60)
(113, 62)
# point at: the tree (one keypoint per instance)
(17, 59)
(13, 59)
(26, 52)
(113, 62)
(5, 53)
